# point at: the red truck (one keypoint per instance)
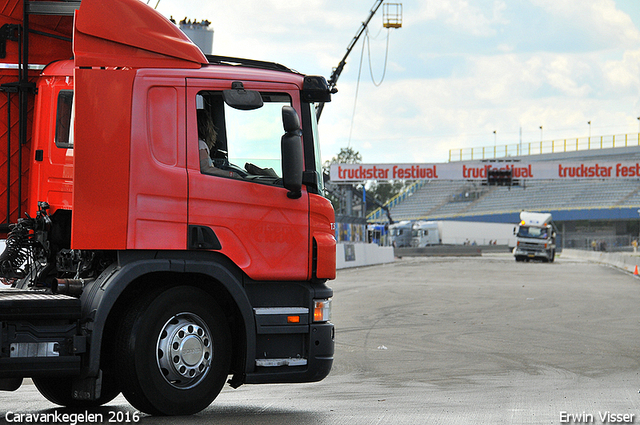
(133, 263)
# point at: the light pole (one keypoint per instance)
(540, 134)
(520, 151)
(589, 122)
(495, 144)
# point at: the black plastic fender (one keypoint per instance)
(99, 297)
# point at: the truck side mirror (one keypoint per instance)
(291, 145)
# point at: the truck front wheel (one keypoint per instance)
(173, 352)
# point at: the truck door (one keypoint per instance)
(51, 177)
(237, 203)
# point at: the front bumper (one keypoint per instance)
(532, 252)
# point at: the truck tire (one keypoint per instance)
(552, 256)
(173, 351)
(58, 391)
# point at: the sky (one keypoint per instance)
(458, 74)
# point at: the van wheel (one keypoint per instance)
(58, 390)
(173, 351)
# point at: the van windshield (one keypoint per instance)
(533, 232)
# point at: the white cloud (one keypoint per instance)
(598, 19)
(477, 18)
(457, 70)
(624, 76)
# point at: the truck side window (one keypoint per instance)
(64, 136)
(247, 142)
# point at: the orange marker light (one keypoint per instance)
(293, 319)
(317, 314)
(322, 310)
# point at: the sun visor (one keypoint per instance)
(128, 33)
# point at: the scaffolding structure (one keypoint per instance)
(392, 15)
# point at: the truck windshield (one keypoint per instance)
(532, 232)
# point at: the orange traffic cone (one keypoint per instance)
(635, 272)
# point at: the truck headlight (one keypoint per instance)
(321, 310)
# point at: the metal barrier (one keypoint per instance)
(545, 146)
(599, 243)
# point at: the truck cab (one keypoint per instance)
(148, 264)
(400, 234)
(535, 237)
(425, 233)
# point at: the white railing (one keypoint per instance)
(545, 146)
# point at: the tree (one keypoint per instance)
(383, 192)
(345, 156)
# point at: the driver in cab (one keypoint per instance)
(207, 137)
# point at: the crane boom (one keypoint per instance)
(338, 70)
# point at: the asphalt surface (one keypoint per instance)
(450, 341)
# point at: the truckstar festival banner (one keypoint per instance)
(543, 170)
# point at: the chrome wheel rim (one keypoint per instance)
(184, 350)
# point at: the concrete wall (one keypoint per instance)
(441, 251)
(622, 260)
(362, 254)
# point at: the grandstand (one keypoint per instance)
(583, 210)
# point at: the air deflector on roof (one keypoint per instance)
(128, 33)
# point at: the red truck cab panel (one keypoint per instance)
(157, 210)
(101, 158)
(322, 228)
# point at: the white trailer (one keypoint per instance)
(476, 233)
(462, 233)
(535, 237)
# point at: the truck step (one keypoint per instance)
(17, 304)
(20, 367)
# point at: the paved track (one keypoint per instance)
(453, 340)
